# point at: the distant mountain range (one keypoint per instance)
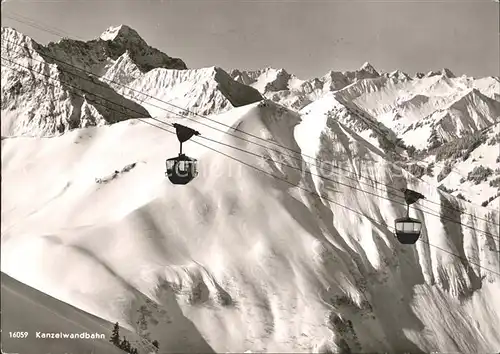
(118, 76)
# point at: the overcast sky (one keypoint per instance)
(307, 38)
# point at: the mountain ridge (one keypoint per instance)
(263, 253)
(87, 72)
(394, 104)
(203, 91)
(39, 97)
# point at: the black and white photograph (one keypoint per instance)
(250, 176)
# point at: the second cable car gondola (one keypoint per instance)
(408, 229)
(182, 169)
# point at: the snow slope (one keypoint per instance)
(25, 309)
(42, 98)
(448, 164)
(206, 91)
(482, 153)
(433, 114)
(237, 260)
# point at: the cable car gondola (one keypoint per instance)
(408, 229)
(182, 169)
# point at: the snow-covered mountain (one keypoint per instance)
(284, 241)
(51, 89)
(35, 317)
(284, 88)
(41, 98)
(116, 44)
(421, 118)
(204, 91)
(238, 260)
(409, 118)
(448, 107)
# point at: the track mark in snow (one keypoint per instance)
(115, 174)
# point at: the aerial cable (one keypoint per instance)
(252, 142)
(284, 180)
(252, 153)
(236, 136)
(294, 167)
(33, 25)
(252, 135)
(188, 111)
(267, 141)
